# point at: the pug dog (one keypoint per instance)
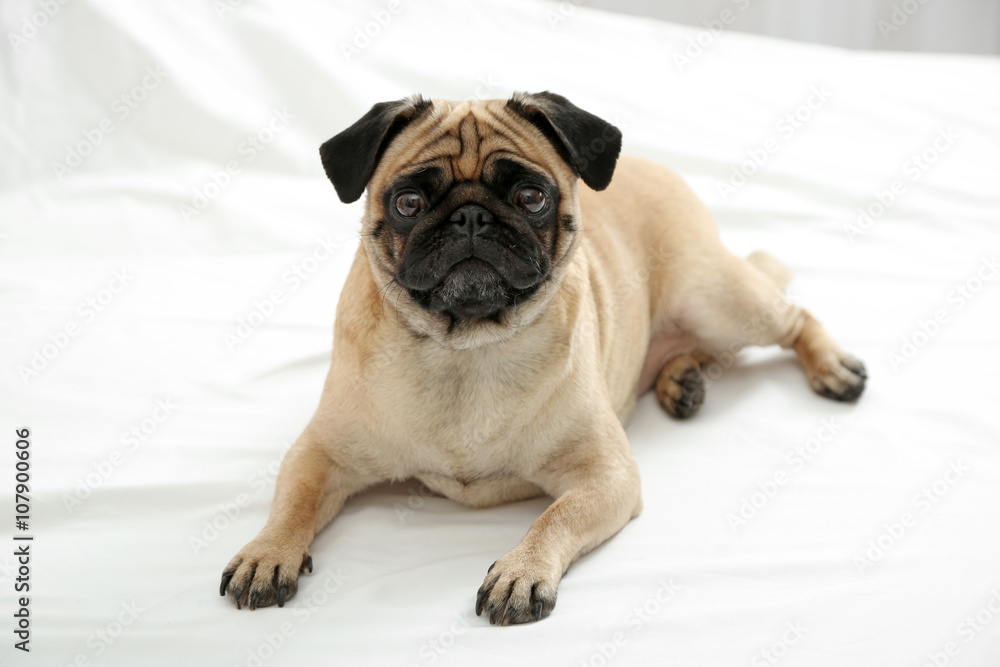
(498, 323)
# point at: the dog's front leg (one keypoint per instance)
(311, 489)
(596, 486)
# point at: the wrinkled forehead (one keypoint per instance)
(466, 140)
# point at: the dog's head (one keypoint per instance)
(472, 214)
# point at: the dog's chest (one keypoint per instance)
(463, 414)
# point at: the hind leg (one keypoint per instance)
(739, 305)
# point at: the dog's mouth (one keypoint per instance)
(472, 289)
(471, 265)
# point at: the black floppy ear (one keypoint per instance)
(350, 158)
(587, 143)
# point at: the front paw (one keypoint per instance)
(264, 572)
(517, 591)
(842, 378)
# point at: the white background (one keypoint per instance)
(953, 26)
(142, 525)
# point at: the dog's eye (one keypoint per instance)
(410, 204)
(530, 199)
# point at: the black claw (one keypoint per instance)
(282, 594)
(307, 563)
(226, 578)
(253, 574)
(504, 613)
(691, 383)
(253, 600)
(237, 593)
(850, 393)
(494, 615)
(824, 390)
(855, 366)
(539, 609)
(687, 409)
(481, 600)
(491, 567)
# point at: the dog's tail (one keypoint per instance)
(771, 268)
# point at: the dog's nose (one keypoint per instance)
(471, 219)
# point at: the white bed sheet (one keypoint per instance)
(125, 561)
